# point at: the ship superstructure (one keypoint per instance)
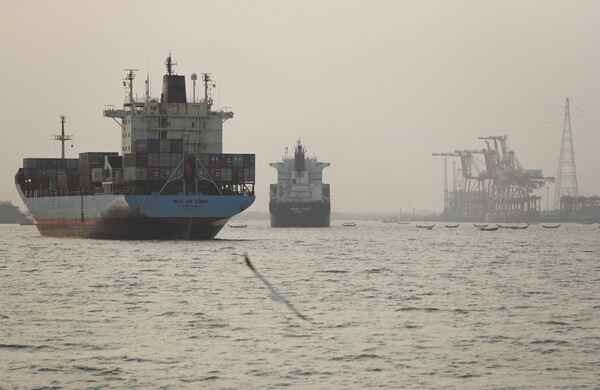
(170, 180)
(300, 198)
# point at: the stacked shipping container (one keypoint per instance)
(49, 168)
(225, 168)
(153, 160)
(159, 160)
(91, 165)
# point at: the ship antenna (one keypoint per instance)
(62, 137)
(206, 79)
(194, 78)
(169, 64)
(147, 87)
(129, 82)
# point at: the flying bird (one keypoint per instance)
(276, 296)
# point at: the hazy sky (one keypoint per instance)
(373, 87)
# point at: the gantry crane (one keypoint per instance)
(501, 187)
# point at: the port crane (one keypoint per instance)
(497, 186)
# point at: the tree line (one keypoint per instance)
(10, 213)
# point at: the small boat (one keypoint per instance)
(480, 226)
(551, 226)
(489, 229)
(520, 227)
(237, 226)
(504, 226)
(452, 226)
(428, 227)
(349, 224)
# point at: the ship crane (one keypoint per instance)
(447, 205)
(500, 188)
(469, 181)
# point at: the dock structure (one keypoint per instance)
(493, 184)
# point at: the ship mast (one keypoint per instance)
(62, 137)
(169, 65)
(129, 78)
(206, 79)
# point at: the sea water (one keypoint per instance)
(389, 306)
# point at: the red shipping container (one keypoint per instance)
(129, 159)
(85, 181)
(176, 146)
(154, 174)
(141, 159)
(226, 160)
(85, 169)
(215, 174)
(237, 175)
(62, 181)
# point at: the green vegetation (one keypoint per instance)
(10, 213)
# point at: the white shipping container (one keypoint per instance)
(129, 174)
(96, 175)
(135, 174)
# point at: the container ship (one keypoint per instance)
(299, 199)
(170, 180)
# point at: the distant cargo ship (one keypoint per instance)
(169, 181)
(300, 199)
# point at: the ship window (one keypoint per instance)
(293, 181)
(163, 134)
(193, 124)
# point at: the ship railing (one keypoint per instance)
(56, 192)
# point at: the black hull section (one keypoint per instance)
(147, 229)
(304, 214)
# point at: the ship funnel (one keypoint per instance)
(299, 157)
(173, 85)
(173, 89)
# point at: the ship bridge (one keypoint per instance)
(299, 179)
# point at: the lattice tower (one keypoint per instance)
(566, 179)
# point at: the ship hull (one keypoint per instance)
(134, 217)
(300, 214)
